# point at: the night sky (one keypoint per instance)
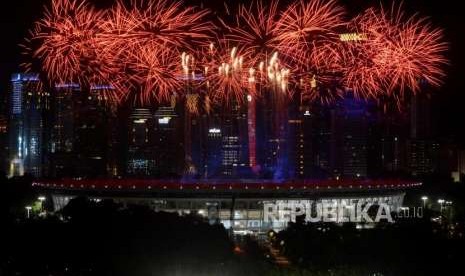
(17, 17)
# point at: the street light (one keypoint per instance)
(441, 201)
(41, 199)
(424, 198)
(28, 209)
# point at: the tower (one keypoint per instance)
(29, 105)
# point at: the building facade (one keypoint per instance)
(28, 108)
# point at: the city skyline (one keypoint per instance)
(70, 132)
(447, 97)
(232, 137)
(288, 120)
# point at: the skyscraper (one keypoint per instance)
(141, 146)
(112, 147)
(3, 133)
(423, 150)
(29, 104)
(300, 142)
(3, 143)
(93, 132)
(214, 153)
(272, 118)
(168, 143)
(64, 107)
(349, 141)
(235, 135)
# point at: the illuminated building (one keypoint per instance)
(272, 118)
(95, 120)
(27, 128)
(423, 150)
(349, 142)
(252, 133)
(238, 205)
(107, 108)
(355, 127)
(141, 148)
(460, 174)
(199, 143)
(64, 107)
(3, 133)
(3, 143)
(423, 155)
(300, 142)
(168, 143)
(295, 142)
(234, 149)
(214, 142)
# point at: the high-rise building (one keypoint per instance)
(423, 150)
(461, 165)
(235, 135)
(141, 146)
(300, 141)
(349, 139)
(272, 130)
(3, 133)
(388, 135)
(168, 143)
(3, 143)
(65, 104)
(423, 157)
(106, 107)
(252, 133)
(93, 133)
(29, 105)
(355, 136)
(214, 152)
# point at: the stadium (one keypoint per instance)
(237, 204)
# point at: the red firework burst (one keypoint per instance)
(136, 47)
(64, 43)
(304, 27)
(412, 52)
(149, 36)
(153, 74)
(353, 57)
(255, 31)
(158, 22)
(226, 79)
(394, 55)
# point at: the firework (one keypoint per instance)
(392, 55)
(227, 82)
(150, 50)
(352, 58)
(305, 26)
(255, 31)
(153, 74)
(64, 43)
(307, 29)
(156, 26)
(412, 52)
(156, 22)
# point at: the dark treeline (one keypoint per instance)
(410, 247)
(105, 238)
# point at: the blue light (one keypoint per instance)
(67, 85)
(102, 87)
(24, 77)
